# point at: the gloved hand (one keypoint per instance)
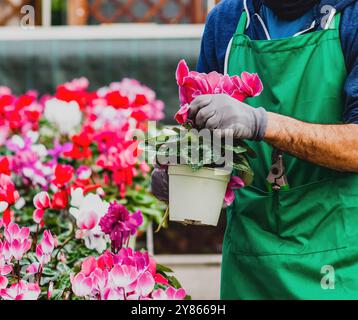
(160, 184)
(220, 111)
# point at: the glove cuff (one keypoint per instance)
(261, 121)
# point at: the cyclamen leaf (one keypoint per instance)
(174, 282)
(164, 269)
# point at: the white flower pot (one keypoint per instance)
(196, 197)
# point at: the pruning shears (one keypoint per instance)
(277, 179)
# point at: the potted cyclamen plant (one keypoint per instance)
(198, 182)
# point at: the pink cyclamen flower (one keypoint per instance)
(92, 281)
(169, 294)
(48, 242)
(81, 285)
(5, 257)
(192, 84)
(45, 248)
(84, 173)
(38, 215)
(235, 183)
(33, 268)
(182, 115)
(17, 240)
(88, 266)
(8, 196)
(119, 224)
(50, 290)
(128, 275)
(5, 267)
(124, 276)
(138, 259)
(88, 210)
(21, 291)
(249, 83)
(145, 284)
(42, 201)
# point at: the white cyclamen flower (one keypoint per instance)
(66, 116)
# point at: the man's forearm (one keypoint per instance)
(332, 146)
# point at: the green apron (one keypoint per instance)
(300, 243)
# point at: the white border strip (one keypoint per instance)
(304, 31)
(263, 26)
(115, 31)
(227, 56)
(247, 13)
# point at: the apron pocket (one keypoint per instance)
(311, 218)
(303, 220)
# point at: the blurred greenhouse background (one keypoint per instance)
(106, 41)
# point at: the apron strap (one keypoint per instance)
(240, 29)
(241, 26)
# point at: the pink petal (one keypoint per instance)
(229, 196)
(38, 215)
(42, 200)
(6, 270)
(170, 293)
(89, 265)
(235, 183)
(24, 233)
(145, 284)
(253, 82)
(48, 242)
(123, 276)
(39, 251)
(180, 294)
(182, 115)
(113, 295)
(213, 79)
(81, 286)
(181, 72)
(161, 279)
(226, 85)
(3, 282)
(31, 292)
(159, 295)
(16, 251)
(89, 221)
(50, 290)
(13, 229)
(33, 268)
(26, 245)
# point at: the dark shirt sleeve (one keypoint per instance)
(349, 40)
(220, 26)
(351, 92)
(207, 59)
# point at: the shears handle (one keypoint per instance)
(277, 179)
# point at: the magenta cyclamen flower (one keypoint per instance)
(193, 84)
(119, 224)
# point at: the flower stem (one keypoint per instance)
(36, 236)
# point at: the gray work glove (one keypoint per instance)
(220, 111)
(160, 184)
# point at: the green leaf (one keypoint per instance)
(174, 282)
(164, 269)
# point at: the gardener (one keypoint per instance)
(293, 234)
